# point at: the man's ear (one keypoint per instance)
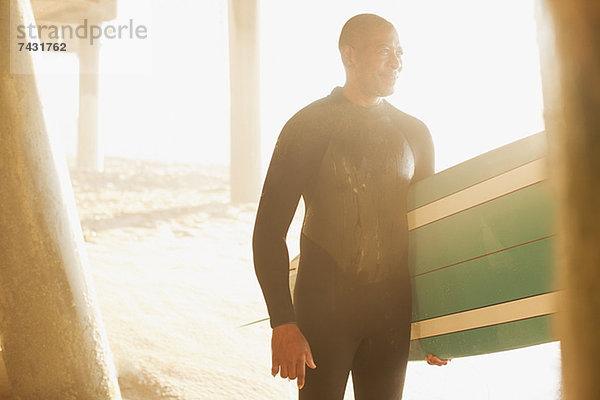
(348, 56)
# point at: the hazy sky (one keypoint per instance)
(471, 73)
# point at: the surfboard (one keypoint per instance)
(481, 243)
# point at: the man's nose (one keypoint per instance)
(395, 61)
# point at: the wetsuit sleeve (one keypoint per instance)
(278, 202)
(422, 147)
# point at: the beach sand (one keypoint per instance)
(172, 266)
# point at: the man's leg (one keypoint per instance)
(379, 366)
(333, 353)
(327, 324)
(326, 315)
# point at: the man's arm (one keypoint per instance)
(278, 202)
(422, 147)
(425, 167)
(288, 171)
(420, 142)
(296, 157)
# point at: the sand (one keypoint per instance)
(170, 258)
(171, 262)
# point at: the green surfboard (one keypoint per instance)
(481, 238)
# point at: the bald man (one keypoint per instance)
(352, 157)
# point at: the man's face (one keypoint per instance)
(378, 60)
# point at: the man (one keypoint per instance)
(352, 157)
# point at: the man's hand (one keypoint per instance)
(290, 352)
(434, 360)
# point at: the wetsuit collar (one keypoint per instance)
(337, 94)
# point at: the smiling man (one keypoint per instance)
(352, 157)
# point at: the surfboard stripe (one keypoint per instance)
(477, 169)
(482, 255)
(516, 310)
(518, 217)
(489, 339)
(500, 185)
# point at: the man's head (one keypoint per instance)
(371, 54)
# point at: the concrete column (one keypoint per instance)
(89, 153)
(571, 83)
(53, 340)
(245, 107)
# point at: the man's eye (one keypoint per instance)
(386, 51)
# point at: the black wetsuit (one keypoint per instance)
(352, 299)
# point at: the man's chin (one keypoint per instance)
(386, 91)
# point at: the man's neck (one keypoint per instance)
(355, 95)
